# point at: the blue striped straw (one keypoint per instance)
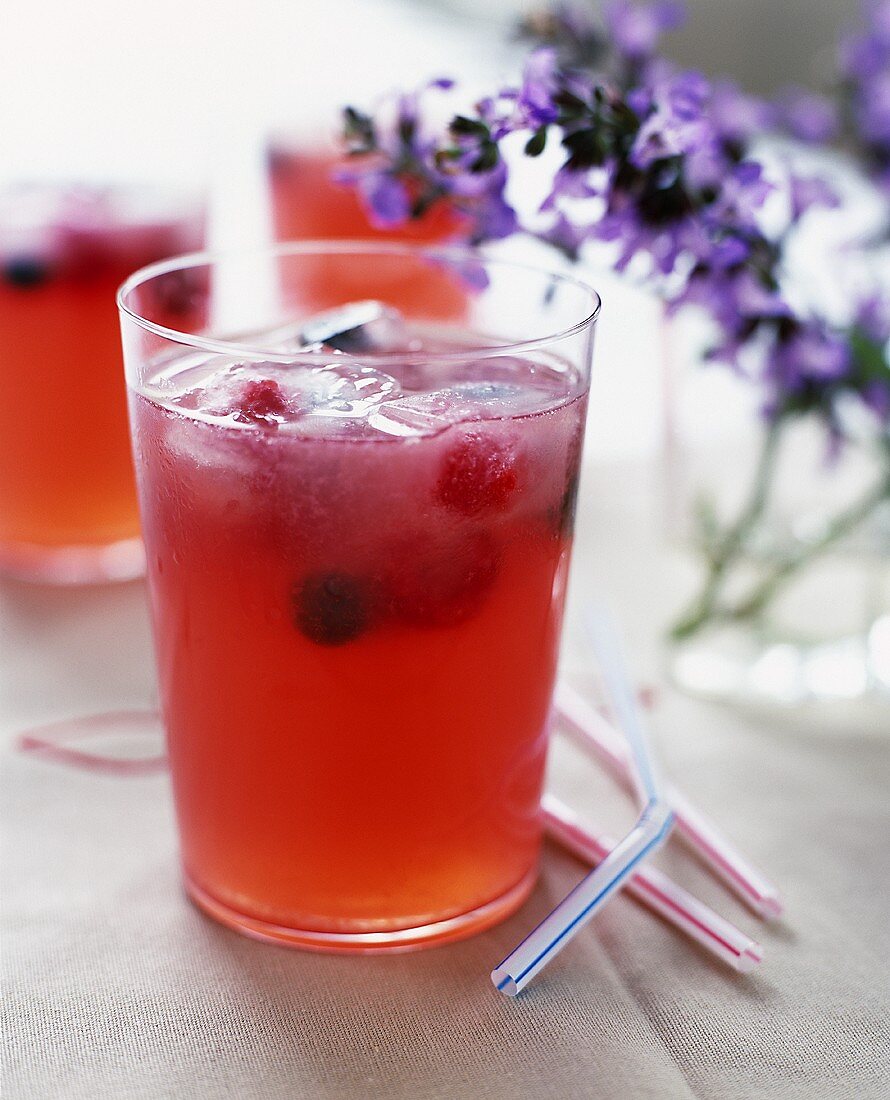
(648, 833)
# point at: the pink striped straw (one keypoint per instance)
(53, 741)
(595, 734)
(657, 892)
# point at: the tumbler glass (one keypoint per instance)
(358, 528)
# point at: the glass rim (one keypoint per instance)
(320, 246)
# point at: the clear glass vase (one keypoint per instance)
(800, 612)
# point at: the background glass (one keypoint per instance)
(67, 500)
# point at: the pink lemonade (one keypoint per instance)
(67, 497)
(358, 572)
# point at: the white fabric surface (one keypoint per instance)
(117, 987)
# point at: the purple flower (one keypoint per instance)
(808, 191)
(565, 236)
(535, 102)
(636, 29)
(861, 58)
(386, 199)
(624, 225)
(876, 395)
(808, 116)
(873, 317)
(873, 109)
(495, 218)
(865, 65)
(472, 273)
(741, 196)
(736, 300)
(737, 116)
(726, 252)
(811, 354)
(480, 195)
(677, 123)
(753, 299)
(572, 184)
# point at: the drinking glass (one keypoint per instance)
(358, 547)
(67, 500)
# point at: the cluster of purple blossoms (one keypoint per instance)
(403, 167)
(664, 155)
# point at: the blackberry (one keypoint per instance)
(25, 272)
(331, 608)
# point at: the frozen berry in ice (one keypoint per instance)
(478, 475)
(331, 608)
(440, 582)
(260, 401)
(25, 272)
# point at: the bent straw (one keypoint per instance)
(593, 733)
(651, 829)
(656, 891)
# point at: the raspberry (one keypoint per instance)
(478, 475)
(331, 608)
(259, 400)
(440, 583)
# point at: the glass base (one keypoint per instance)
(740, 666)
(116, 561)
(366, 943)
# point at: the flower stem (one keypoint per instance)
(841, 525)
(703, 608)
(707, 608)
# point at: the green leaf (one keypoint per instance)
(461, 126)
(869, 358)
(358, 128)
(569, 101)
(586, 148)
(487, 159)
(536, 143)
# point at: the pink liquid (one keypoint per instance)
(69, 484)
(357, 620)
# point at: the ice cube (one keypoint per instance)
(350, 389)
(416, 414)
(280, 393)
(475, 399)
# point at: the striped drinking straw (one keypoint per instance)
(598, 737)
(650, 830)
